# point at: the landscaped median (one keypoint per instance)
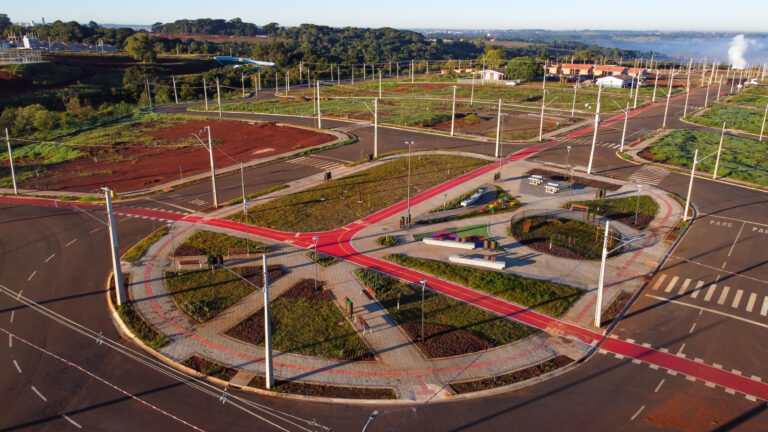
(338, 202)
(562, 237)
(212, 243)
(622, 209)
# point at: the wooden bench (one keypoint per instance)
(363, 323)
(579, 207)
(536, 179)
(551, 188)
(190, 262)
(236, 251)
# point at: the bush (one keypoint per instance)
(386, 240)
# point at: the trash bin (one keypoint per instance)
(220, 259)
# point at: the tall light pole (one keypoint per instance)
(690, 185)
(423, 283)
(573, 104)
(205, 94)
(116, 270)
(709, 84)
(719, 149)
(175, 95)
(408, 222)
(218, 95)
(453, 110)
(498, 132)
(601, 278)
(762, 128)
(314, 242)
(669, 94)
(543, 97)
(319, 116)
(472, 93)
(245, 210)
(637, 205)
(594, 135)
(637, 90)
(209, 147)
(380, 84)
(624, 129)
(567, 159)
(375, 128)
(268, 371)
(10, 161)
(370, 419)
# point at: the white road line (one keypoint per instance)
(737, 299)
(736, 239)
(50, 258)
(18, 296)
(659, 386)
(74, 423)
(671, 284)
(39, 394)
(764, 309)
(637, 413)
(684, 286)
(692, 327)
(32, 275)
(630, 340)
(751, 302)
(710, 291)
(659, 281)
(723, 295)
(94, 230)
(70, 242)
(695, 292)
(13, 312)
(15, 363)
(703, 309)
(756, 378)
(10, 341)
(680, 351)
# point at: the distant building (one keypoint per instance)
(609, 70)
(634, 72)
(492, 75)
(578, 69)
(554, 69)
(30, 42)
(615, 81)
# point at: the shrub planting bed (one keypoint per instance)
(136, 323)
(546, 297)
(513, 377)
(623, 209)
(208, 242)
(451, 327)
(387, 240)
(615, 308)
(568, 238)
(308, 322)
(325, 390)
(210, 367)
(137, 251)
(321, 258)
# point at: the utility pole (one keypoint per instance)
(209, 147)
(498, 131)
(319, 116)
(410, 143)
(690, 185)
(375, 128)
(379, 83)
(205, 94)
(762, 128)
(218, 95)
(242, 83)
(669, 94)
(10, 161)
(637, 90)
(573, 104)
(594, 136)
(268, 371)
(624, 130)
(719, 149)
(472, 94)
(453, 111)
(175, 95)
(117, 272)
(655, 85)
(687, 88)
(711, 74)
(601, 278)
(245, 210)
(543, 97)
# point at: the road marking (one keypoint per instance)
(32, 275)
(736, 371)
(74, 423)
(619, 356)
(10, 341)
(750, 398)
(659, 386)
(751, 302)
(630, 340)
(659, 281)
(764, 309)
(692, 327)
(702, 309)
(680, 351)
(671, 284)
(717, 365)
(50, 258)
(70, 242)
(18, 296)
(637, 413)
(710, 292)
(172, 205)
(695, 292)
(730, 391)
(756, 378)
(684, 287)
(94, 230)
(39, 394)
(671, 372)
(737, 238)
(737, 299)
(690, 378)
(709, 384)
(723, 295)
(13, 312)
(15, 363)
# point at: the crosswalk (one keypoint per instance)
(713, 293)
(315, 162)
(587, 141)
(648, 175)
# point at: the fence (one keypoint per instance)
(18, 56)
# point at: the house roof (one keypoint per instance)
(578, 66)
(636, 70)
(492, 70)
(610, 68)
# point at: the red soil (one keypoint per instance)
(140, 167)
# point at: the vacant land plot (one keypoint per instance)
(741, 159)
(451, 327)
(339, 202)
(546, 297)
(308, 322)
(623, 209)
(745, 119)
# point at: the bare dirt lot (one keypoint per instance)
(139, 167)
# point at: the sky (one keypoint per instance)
(700, 15)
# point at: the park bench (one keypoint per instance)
(551, 188)
(368, 293)
(579, 207)
(536, 180)
(236, 251)
(190, 262)
(363, 323)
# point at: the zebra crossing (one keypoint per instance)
(714, 293)
(648, 175)
(315, 162)
(587, 141)
(197, 202)
(350, 128)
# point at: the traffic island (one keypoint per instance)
(563, 237)
(513, 377)
(637, 211)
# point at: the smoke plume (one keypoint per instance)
(736, 52)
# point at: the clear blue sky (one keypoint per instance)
(707, 15)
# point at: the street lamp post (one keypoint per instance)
(245, 210)
(669, 93)
(567, 160)
(543, 97)
(498, 131)
(624, 130)
(423, 283)
(690, 185)
(370, 419)
(314, 242)
(453, 110)
(594, 135)
(170, 231)
(117, 271)
(637, 207)
(10, 161)
(209, 147)
(601, 278)
(762, 128)
(719, 149)
(408, 222)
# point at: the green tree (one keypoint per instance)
(492, 58)
(524, 68)
(141, 47)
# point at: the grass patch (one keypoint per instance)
(139, 327)
(677, 198)
(623, 209)
(341, 201)
(137, 251)
(211, 243)
(321, 258)
(546, 297)
(260, 193)
(753, 96)
(745, 119)
(677, 231)
(387, 240)
(325, 390)
(44, 73)
(454, 203)
(513, 377)
(203, 294)
(305, 322)
(741, 158)
(563, 237)
(210, 367)
(451, 327)
(504, 202)
(615, 308)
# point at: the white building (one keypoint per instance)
(30, 42)
(615, 81)
(492, 75)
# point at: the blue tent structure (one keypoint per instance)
(256, 64)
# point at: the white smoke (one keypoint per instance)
(736, 52)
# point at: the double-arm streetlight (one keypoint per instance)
(209, 147)
(693, 170)
(624, 130)
(601, 277)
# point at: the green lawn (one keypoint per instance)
(136, 323)
(208, 242)
(745, 119)
(622, 209)
(440, 310)
(305, 322)
(741, 159)
(754, 96)
(546, 297)
(341, 201)
(578, 237)
(137, 251)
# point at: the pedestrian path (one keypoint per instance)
(316, 162)
(649, 175)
